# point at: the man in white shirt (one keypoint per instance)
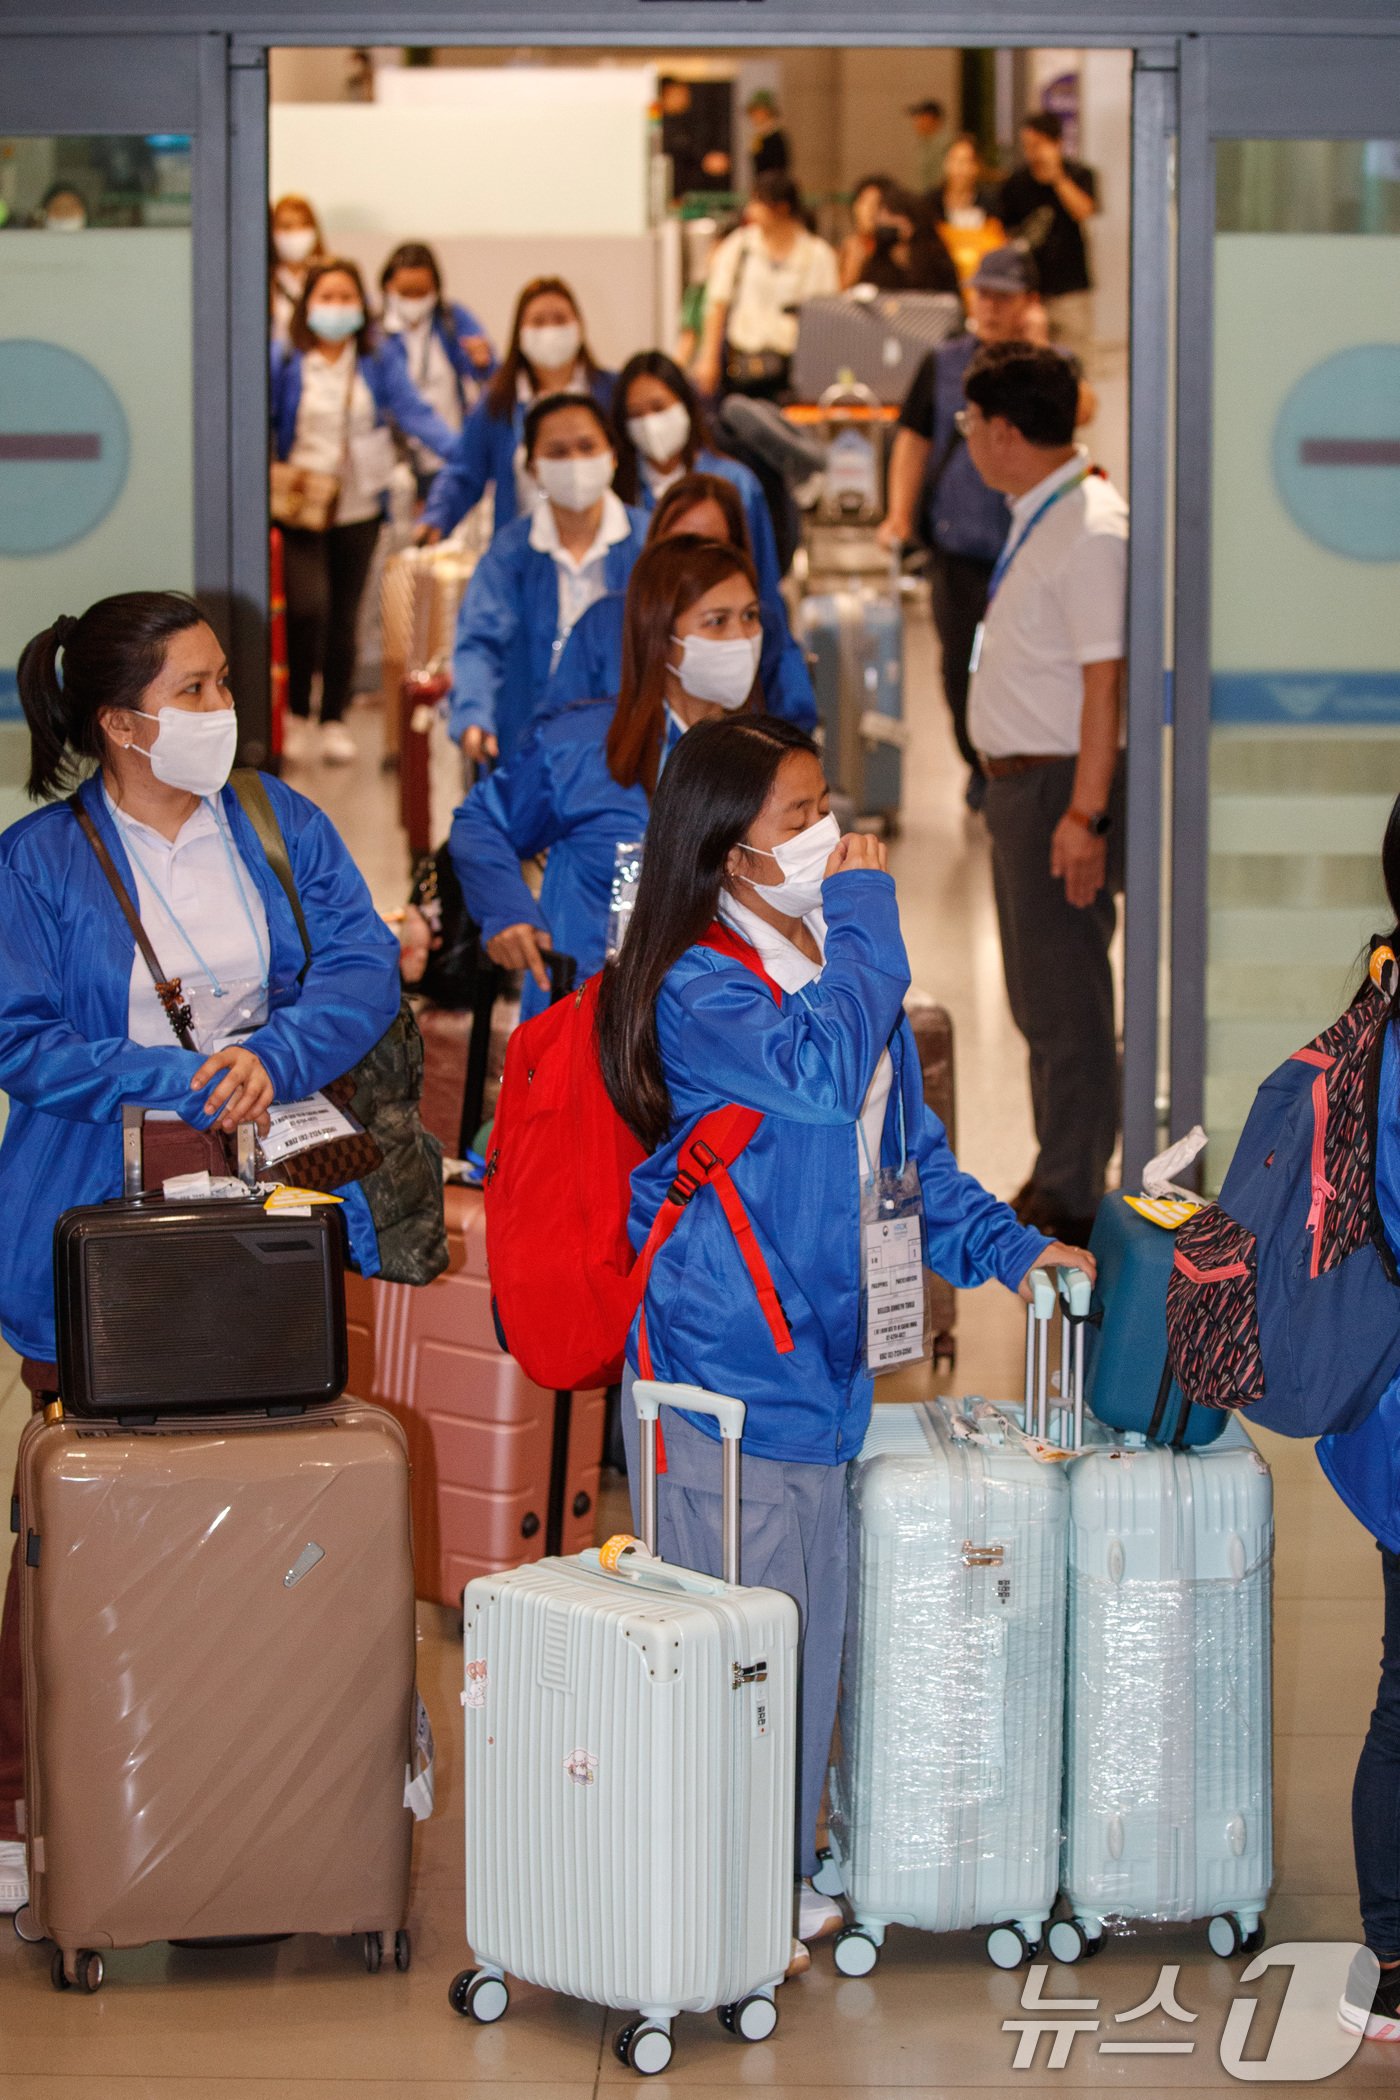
(1046, 716)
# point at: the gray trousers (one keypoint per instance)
(794, 1539)
(1059, 982)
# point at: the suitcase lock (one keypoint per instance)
(753, 1673)
(982, 1556)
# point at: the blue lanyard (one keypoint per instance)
(1013, 547)
(260, 947)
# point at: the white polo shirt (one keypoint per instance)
(1062, 604)
(583, 579)
(336, 405)
(763, 292)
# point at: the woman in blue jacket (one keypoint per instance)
(581, 784)
(662, 434)
(539, 576)
(1363, 1465)
(333, 402)
(441, 347)
(706, 507)
(548, 354)
(740, 834)
(138, 687)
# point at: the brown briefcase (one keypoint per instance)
(933, 1036)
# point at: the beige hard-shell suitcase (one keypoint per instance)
(218, 1634)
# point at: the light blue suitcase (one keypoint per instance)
(1168, 1719)
(944, 1804)
(854, 640)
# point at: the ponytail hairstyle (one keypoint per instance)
(716, 782)
(109, 657)
(669, 576)
(653, 364)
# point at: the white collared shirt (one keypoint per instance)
(433, 375)
(1062, 604)
(334, 407)
(196, 901)
(763, 292)
(791, 970)
(582, 580)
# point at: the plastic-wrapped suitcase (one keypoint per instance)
(218, 1637)
(933, 1035)
(503, 1471)
(631, 1737)
(1168, 1753)
(1129, 1382)
(880, 341)
(418, 599)
(854, 641)
(944, 1804)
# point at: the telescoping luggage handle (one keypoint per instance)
(132, 1120)
(1072, 1290)
(650, 1395)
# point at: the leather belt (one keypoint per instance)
(1022, 762)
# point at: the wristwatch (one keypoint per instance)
(1098, 827)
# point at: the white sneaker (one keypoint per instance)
(817, 1916)
(338, 747)
(14, 1876)
(295, 731)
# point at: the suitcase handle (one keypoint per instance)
(1076, 1295)
(649, 1396)
(132, 1120)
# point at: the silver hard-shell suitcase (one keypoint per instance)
(631, 1733)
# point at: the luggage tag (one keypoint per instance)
(975, 660)
(418, 1779)
(627, 873)
(893, 1304)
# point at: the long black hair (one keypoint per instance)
(110, 656)
(714, 784)
(653, 364)
(417, 255)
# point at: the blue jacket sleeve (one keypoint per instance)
(467, 324)
(509, 816)
(783, 672)
(398, 398)
(350, 992)
(487, 626)
(811, 1060)
(44, 1060)
(970, 1235)
(466, 469)
(761, 535)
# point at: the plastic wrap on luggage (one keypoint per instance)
(1168, 1758)
(945, 1801)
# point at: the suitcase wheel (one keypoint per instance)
(374, 1952)
(827, 1879)
(88, 1971)
(854, 1952)
(752, 2019)
(403, 1950)
(480, 1995)
(1230, 1935)
(1009, 1947)
(27, 1928)
(1069, 1940)
(644, 2047)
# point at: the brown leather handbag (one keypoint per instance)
(302, 497)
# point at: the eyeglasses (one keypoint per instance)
(962, 422)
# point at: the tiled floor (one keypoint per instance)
(304, 2019)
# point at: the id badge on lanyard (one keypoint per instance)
(627, 873)
(892, 1265)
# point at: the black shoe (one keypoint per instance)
(1375, 2016)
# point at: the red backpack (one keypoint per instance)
(564, 1280)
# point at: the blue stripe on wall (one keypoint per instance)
(10, 709)
(1321, 697)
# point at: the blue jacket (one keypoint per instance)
(393, 349)
(590, 667)
(1363, 1464)
(66, 1060)
(807, 1065)
(504, 649)
(757, 515)
(555, 794)
(485, 453)
(395, 400)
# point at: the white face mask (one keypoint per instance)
(661, 435)
(66, 224)
(720, 671)
(193, 749)
(294, 243)
(550, 349)
(802, 861)
(411, 311)
(576, 484)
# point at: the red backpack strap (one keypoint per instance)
(705, 1160)
(723, 940)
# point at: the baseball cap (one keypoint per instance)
(1007, 270)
